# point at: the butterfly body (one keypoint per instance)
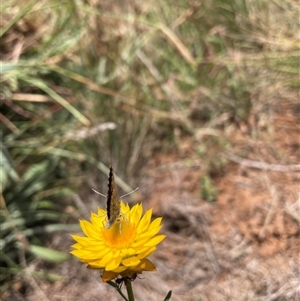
(113, 202)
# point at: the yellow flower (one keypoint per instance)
(121, 249)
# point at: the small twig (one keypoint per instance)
(86, 132)
(9, 124)
(261, 165)
(28, 97)
(17, 50)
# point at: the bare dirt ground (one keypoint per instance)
(243, 246)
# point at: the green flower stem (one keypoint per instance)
(118, 289)
(129, 290)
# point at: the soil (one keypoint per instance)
(241, 243)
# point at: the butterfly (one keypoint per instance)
(113, 205)
(113, 202)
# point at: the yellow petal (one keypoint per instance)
(142, 249)
(86, 241)
(153, 230)
(124, 207)
(88, 229)
(155, 240)
(97, 221)
(108, 275)
(131, 261)
(139, 242)
(144, 222)
(82, 226)
(85, 255)
(101, 212)
(156, 222)
(95, 266)
(113, 264)
(120, 269)
(136, 213)
(147, 265)
(104, 261)
(77, 246)
(127, 252)
(146, 253)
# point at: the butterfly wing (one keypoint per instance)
(113, 202)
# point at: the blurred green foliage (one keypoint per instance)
(208, 190)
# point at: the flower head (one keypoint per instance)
(123, 247)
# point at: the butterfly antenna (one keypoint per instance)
(129, 193)
(99, 192)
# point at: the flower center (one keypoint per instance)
(120, 235)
